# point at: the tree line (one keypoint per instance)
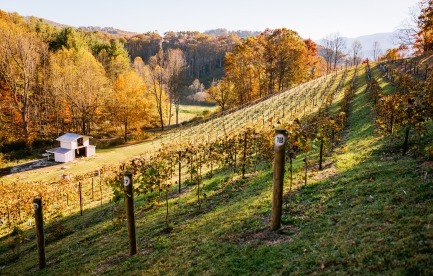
(54, 80)
(265, 64)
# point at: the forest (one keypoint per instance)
(58, 79)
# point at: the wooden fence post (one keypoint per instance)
(279, 164)
(40, 237)
(244, 155)
(80, 192)
(180, 169)
(129, 200)
(100, 185)
(92, 190)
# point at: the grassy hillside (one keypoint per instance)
(370, 211)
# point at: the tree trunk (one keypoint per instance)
(83, 126)
(125, 137)
(177, 113)
(169, 113)
(161, 119)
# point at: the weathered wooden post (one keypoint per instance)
(100, 185)
(279, 164)
(129, 200)
(92, 190)
(179, 161)
(80, 192)
(244, 155)
(40, 237)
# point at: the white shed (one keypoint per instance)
(72, 146)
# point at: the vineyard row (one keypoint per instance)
(240, 151)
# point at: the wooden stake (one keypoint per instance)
(129, 200)
(81, 198)
(40, 237)
(279, 164)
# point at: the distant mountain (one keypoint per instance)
(109, 30)
(239, 33)
(52, 23)
(386, 41)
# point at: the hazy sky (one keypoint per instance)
(310, 18)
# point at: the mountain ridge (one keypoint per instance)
(385, 38)
(386, 42)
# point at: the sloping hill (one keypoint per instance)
(368, 212)
(286, 106)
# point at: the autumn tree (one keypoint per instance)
(61, 82)
(286, 59)
(82, 84)
(222, 93)
(156, 84)
(128, 103)
(339, 46)
(424, 35)
(174, 72)
(113, 56)
(407, 32)
(144, 45)
(355, 50)
(21, 53)
(391, 54)
(244, 68)
(68, 38)
(263, 65)
(315, 63)
(377, 50)
(333, 50)
(140, 67)
(196, 87)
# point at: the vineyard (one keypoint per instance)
(231, 138)
(235, 149)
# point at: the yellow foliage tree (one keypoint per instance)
(81, 83)
(128, 102)
(223, 93)
(21, 53)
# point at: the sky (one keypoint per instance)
(313, 19)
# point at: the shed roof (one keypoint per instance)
(70, 137)
(58, 150)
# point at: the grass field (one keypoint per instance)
(370, 211)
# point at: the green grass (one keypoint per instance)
(369, 212)
(196, 109)
(191, 112)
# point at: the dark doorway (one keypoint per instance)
(81, 152)
(80, 141)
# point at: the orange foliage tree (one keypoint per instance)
(128, 103)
